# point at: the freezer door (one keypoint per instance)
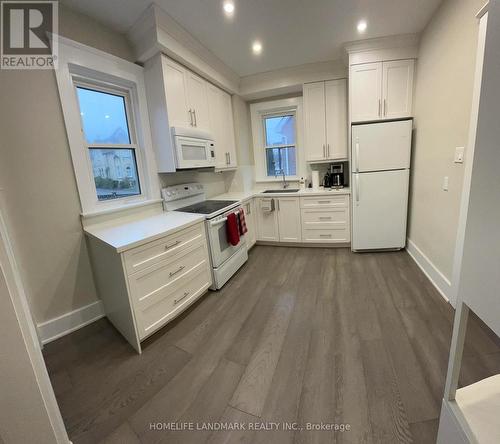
(381, 146)
(379, 210)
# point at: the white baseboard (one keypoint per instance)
(438, 279)
(69, 322)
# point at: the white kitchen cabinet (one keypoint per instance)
(145, 287)
(251, 236)
(314, 121)
(366, 92)
(325, 120)
(397, 88)
(175, 84)
(381, 90)
(336, 119)
(198, 100)
(267, 221)
(325, 219)
(222, 127)
(289, 226)
(282, 224)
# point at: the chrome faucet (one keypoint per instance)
(282, 172)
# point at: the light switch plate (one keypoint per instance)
(459, 154)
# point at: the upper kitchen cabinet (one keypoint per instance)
(325, 120)
(381, 90)
(187, 96)
(222, 127)
(197, 101)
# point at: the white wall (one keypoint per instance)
(36, 173)
(443, 98)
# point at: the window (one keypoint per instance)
(103, 99)
(109, 142)
(279, 144)
(276, 131)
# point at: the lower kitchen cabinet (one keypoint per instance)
(281, 223)
(145, 287)
(251, 236)
(325, 219)
(289, 219)
(267, 221)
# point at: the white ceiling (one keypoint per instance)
(292, 32)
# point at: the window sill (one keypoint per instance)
(120, 208)
(278, 179)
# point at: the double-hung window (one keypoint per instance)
(276, 133)
(279, 143)
(105, 111)
(110, 139)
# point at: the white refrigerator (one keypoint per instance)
(380, 157)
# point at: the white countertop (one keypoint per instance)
(129, 234)
(245, 195)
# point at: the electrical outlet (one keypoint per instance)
(446, 182)
(459, 154)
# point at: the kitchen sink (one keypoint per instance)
(286, 190)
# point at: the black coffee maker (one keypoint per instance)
(337, 175)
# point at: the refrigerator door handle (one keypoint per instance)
(357, 189)
(357, 155)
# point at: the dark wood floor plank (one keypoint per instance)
(255, 383)
(242, 433)
(425, 432)
(121, 435)
(387, 412)
(208, 406)
(415, 391)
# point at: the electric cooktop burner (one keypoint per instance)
(207, 206)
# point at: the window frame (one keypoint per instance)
(83, 66)
(282, 113)
(92, 85)
(258, 112)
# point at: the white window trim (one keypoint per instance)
(79, 63)
(257, 111)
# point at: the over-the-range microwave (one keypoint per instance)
(194, 148)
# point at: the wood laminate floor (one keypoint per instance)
(299, 336)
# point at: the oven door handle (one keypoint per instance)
(218, 222)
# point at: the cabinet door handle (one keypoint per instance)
(168, 247)
(323, 201)
(173, 273)
(379, 107)
(357, 188)
(195, 119)
(191, 117)
(325, 218)
(277, 200)
(324, 150)
(249, 211)
(229, 157)
(325, 235)
(328, 150)
(385, 107)
(184, 296)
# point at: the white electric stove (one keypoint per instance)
(225, 258)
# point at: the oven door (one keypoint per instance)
(194, 153)
(220, 248)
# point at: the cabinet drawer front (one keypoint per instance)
(151, 317)
(327, 201)
(334, 216)
(162, 279)
(146, 255)
(330, 235)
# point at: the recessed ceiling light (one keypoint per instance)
(228, 7)
(257, 47)
(362, 25)
(106, 116)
